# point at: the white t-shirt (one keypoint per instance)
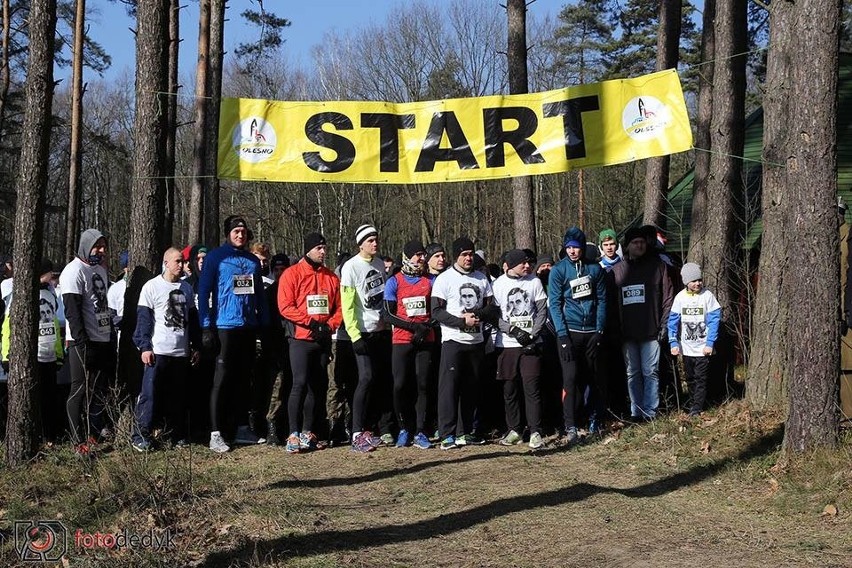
(368, 279)
(516, 298)
(48, 325)
(693, 310)
(170, 302)
(463, 294)
(91, 282)
(115, 298)
(6, 291)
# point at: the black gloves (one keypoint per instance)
(319, 330)
(489, 314)
(564, 346)
(521, 336)
(592, 345)
(532, 349)
(421, 332)
(209, 341)
(360, 347)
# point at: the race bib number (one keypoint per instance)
(472, 330)
(243, 284)
(317, 304)
(46, 332)
(634, 294)
(581, 287)
(103, 322)
(415, 306)
(523, 322)
(692, 314)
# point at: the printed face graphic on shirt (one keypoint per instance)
(99, 293)
(45, 311)
(519, 303)
(468, 297)
(374, 285)
(695, 331)
(176, 310)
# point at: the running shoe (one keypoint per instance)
(449, 443)
(294, 443)
(535, 441)
(469, 440)
(403, 440)
(245, 437)
(571, 436)
(307, 441)
(217, 443)
(374, 441)
(142, 445)
(422, 442)
(386, 439)
(510, 439)
(363, 443)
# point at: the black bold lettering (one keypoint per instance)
(496, 137)
(459, 150)
(571, 112)
(389, 126)
(343, 146)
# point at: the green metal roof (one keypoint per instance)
(679, 210)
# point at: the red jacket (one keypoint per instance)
(306, 293)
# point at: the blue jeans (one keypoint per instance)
(164, 383)
(642, 359)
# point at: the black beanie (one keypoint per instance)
(312, 240)
(279, 259)
(432, 249)
(515, 257)
(634, 233)
(413, 247)
(232, 222)
(460, 245)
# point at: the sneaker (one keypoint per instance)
(294, 443)
(469, 440)
(404, 439)
(535, 441)
(182, 443)
(245, 437)
(449, 443)
(217, 444)
(271, 434)
(363, 443)
(422, 442)
(142, 445)
(107, 434)
(511, 439)
(436, 437)
(84, 451)
(307, 441)
(374, 441)
(386, 440)
(571, 436)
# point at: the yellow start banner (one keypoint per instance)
(478, 138)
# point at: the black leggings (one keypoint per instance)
(231, 379)
(411, 362)
(89, 388)
(370, 403)
(309, 362)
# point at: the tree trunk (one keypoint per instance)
(657, 169)
(813, 283)
(522, 187)
(5, 74)
(698, 230)
(768, 367)
(727, 135)
(148, 192)
(24, 415)
(212, 231)
(171, 121)
(198, 189)
(75, 174)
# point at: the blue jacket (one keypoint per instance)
(586, 313)
(218, 305)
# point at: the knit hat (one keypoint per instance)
(574, 237)
(364, 232)
(515, 257)
(460, 245)
(279, 260)
(312, 240)
(45, 266)
(232, 222)
(123, 259)
(432, 249)
(690, 272)
(634, 233)
(545, 259)
(607, 234)
(412, 247)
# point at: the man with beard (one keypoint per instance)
(166, 326)
(362, 281)
(89, 328)
(231, 307)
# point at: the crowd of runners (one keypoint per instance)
(435, 347)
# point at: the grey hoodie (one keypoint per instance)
(87, 241)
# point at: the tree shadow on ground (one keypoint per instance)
(325, 542)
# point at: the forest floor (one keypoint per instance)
(675, 492)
